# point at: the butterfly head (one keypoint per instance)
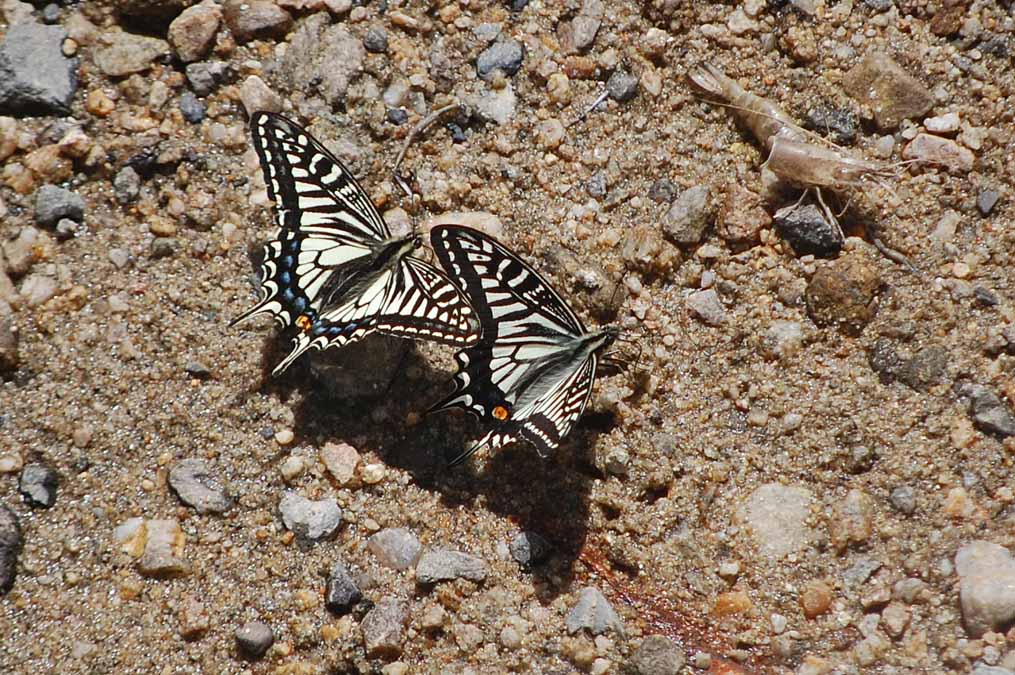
(610, 333)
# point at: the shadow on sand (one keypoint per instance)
(391, 379)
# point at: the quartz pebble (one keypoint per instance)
(194, 483)
(776, 516)
(705, 305)
(443, 565)
(594, 613)
(341, 460)
(312, 520)
(396, 548)
(986, 586)
(942, 124)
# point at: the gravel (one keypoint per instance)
(343, 593)
(255, 19)
(504, 56)
(254, 638)
(163, 550)
(376, 40)
(594, 613)
(126, 185)
(193, 110)
(38, 485)
(196, 485)
(443, 565)
(128, 53)
(987, 410)
(53, 202)
(10, 547)
(192, 33)
(689, 216)
(396, 548)
(312, 520)
(206, 76)
(35, 77)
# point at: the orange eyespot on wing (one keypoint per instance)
(304, 323)
(501, 413)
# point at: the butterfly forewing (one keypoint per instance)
(333, 273)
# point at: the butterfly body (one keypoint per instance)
(531, 374)
(334, 273)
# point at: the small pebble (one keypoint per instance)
(193, 110)
(942, 124)
(397, 116)
(656, 655)
(195, 484)
(443, 565)
(807, 230)
(312, 520)
(343, 593)
(163, 247)
(126, 185)
(38, 485)
(10, 547)
(256, 95)
(986, 587)
(594, 613)
(815, 599)
(163, 549)
(529, 548)
(986, 200)
(292, 468)
(53, 203)
(341, 461)
(254, 638)
(705, 305)
(383, 628)
(396, 548)
(851, 523)
(504, 55)
(622, 86)
(376, 40)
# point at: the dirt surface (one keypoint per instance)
(876, 470)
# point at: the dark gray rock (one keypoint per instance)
(903, 498)
(805, 228)
(989, 413)
(254, 638)
(838, 124)
(10, 547)
(663, 191)
(884, 360)
(397, 116)
(503, 55)
(206, 76)
(38, 485)
(193, 110)
(193, 482)
(656, 655)
(442, 565)
(35, 76)
(689, 216)
(53, 203)
(622, 85)
(594, 613)
(383, 628)
(376, 40)
(529, 548)
(397, 548)
(343, 592)
(925, 369)
(126, 185)
(312, 520)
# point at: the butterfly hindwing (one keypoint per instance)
(333, 273)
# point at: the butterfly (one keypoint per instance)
(333, 273)
(532, 372)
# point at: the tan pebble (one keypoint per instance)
(330, 632)
(341, 461)
(558, 88)
(651, 82)
(959, 505)
(852, 521)
(292, 468)
(98, 104)
(372, 473)
(194, 621)
(11, 463)
(49, 164)
(161, 227)
(733, 602)
(960, 270)
(284, 436)
(69, 47)
(895, 618)
(396, 668)
(962, 433)
(815, 599)
(549, 133)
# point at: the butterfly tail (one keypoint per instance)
(301, 343)
(461, 457)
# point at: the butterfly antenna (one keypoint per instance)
(589, 109)
(413, 135)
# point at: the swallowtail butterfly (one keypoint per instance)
(333, 273)
(531, 375)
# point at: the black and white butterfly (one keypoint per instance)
(333, 273)
(531, 375)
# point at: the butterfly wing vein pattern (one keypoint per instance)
(532, 373)
(333, 273)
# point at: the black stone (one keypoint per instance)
(38, 485)
(838, 124)
(806, 230)
(397, 116)
(343, 594)
(10, 547)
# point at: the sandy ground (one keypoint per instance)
(642, 501)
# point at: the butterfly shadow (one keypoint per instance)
(545, 496)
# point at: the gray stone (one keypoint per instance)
(256, 19)
(343, 592)
(986, 587)
(53, 203)
(254, 638)
(805, 228)
(35, 76)
(903, 499)
(706, 306)
(38, 485)
(256, 95)
(892, 94)
(860, 571)
(376, 40)
(312, 520)
(989, 413)
(383, 628)
(128, 53)
(596, 185)
(984, 669)
(323, 58)
(193, 110)
(776, 516)
(578, 34)
(656, 655)
(10, 547)
(529, 548)
(206, 76)
(663, 191)
(689, 216)
(925, 369)
(909, 590)
(397, 548)
(503, 55)
(67, 229)
(495, 105)
(51, 13)
(593, 612)
(622, 85)
(126, 185)
(943, 152)
(193, 482)
(839, 124)
(443, 565)
(986, 200)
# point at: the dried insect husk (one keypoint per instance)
(809, 165)
(763, 118)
